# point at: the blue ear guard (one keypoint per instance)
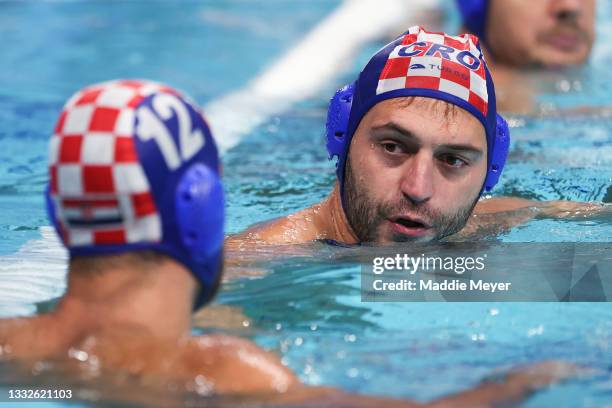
(336, 127)
(200, 219)
(496, 162)
(190, 199)
(338, 140)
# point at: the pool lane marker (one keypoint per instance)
(36, 272)
(301, 73)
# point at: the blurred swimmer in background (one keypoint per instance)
(135, 195)
(521, 38)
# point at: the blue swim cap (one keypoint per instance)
(474, 15)
(425, 64)
(133, 166)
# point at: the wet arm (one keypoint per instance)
(506, 391)
(495, 215)
(519, 210)
(243, 372)
(560, 208)
(513, 387)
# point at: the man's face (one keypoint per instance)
(541, 32)
(415, 170)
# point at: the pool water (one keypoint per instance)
(307, 308)
(52, 49)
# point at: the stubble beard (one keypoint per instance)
(366, 216)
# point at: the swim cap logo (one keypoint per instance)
(465, 58)
(449, 64)
(167, 120)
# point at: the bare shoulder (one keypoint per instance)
(32, 337)
(14, 333)
(236, 366)
(296, 228)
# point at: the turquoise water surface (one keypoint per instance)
(308, 308)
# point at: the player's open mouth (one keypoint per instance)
(411, 226)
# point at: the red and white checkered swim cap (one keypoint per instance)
(96, 179)
(437, 61)
(133, 166)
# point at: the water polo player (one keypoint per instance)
(522, 38)
(417, 140)
(135, 196)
